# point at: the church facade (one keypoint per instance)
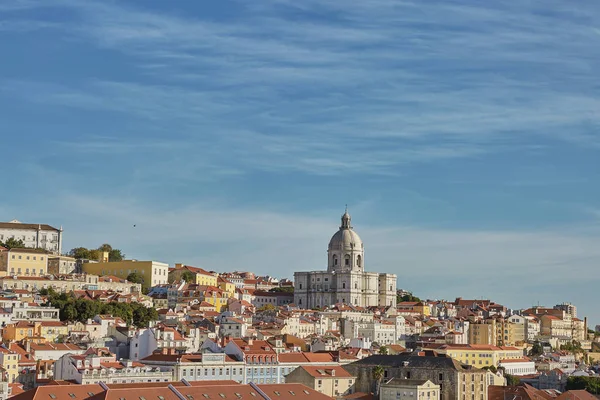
(345, 280)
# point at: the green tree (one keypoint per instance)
(134, 277)
(105, 247)
(79, 253)
(407, 297)
(12, 243)
(267, 307)
(384, 350)
(512, 380)
(536, 349)
(94, 254)
(68, 313)
(115, 255)
(143, 315)
(378, 373)
(188, 276)
(588, 383)
(72, 309)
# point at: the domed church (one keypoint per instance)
(345, 280)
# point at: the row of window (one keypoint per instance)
(121, 272)
(33, 271)
(27, 258)
(227, 371)
(33, 238)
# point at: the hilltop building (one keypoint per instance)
(345, 280)
(37, 236)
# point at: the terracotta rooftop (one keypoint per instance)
(334, 371)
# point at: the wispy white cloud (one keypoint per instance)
(345, 78)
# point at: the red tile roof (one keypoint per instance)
(334, 371)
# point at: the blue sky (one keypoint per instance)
(463, 135)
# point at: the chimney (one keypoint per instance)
(250, 341)
(178, 265)
(333, 372)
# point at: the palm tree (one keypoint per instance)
(378, 373)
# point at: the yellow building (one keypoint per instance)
(555, 326)
(226, 286)
(152, 272)
(415, 306)
(480, 355)
(48, 331)
(160, 302)
(23, 262)
(201, 276)
(9, 360)
(333, 381)
(17, 331)
(216, 297)
(496, 332)
(51, 330)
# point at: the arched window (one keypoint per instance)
(347, 260)
(359, 261)
(335, 260)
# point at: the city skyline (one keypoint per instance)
(462, 136)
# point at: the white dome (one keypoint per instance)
(345, 238)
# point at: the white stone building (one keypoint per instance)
(345, 280)
(518, 367)
(40, 236)
(103, 366)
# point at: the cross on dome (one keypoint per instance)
(346, 220)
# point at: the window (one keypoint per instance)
(343, 285)
(300, 286)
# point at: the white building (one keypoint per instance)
(345, 280)
(409, 389)
(52, 351)
(62, 265)
(381, 332)
(518, 367)
(25, 312)
(233, 327)
(38, 236)
(102, 366)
